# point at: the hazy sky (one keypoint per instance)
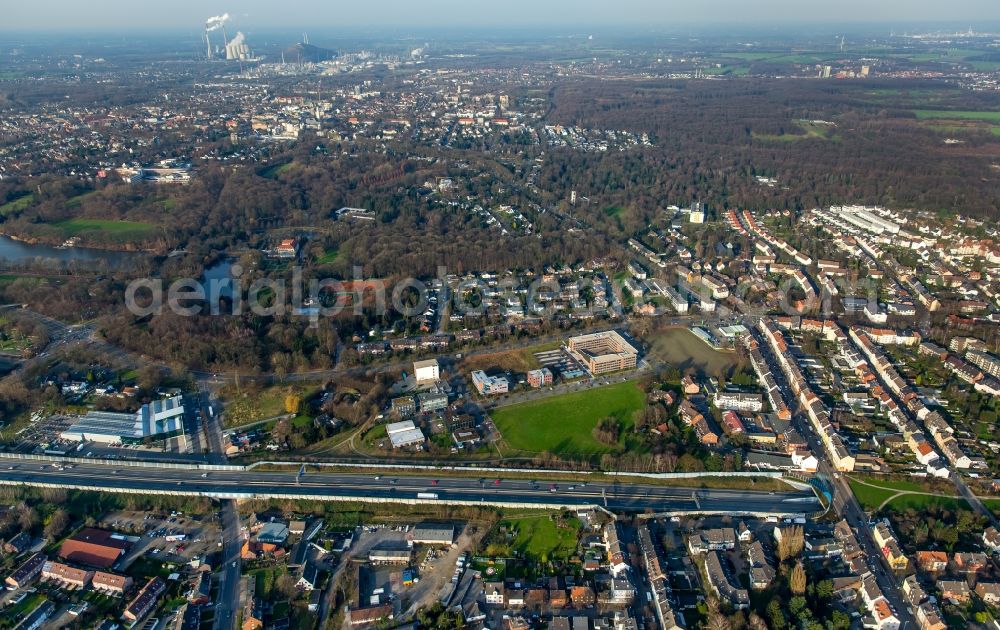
(261, 14)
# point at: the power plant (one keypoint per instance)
(236, 49)
(419, 53)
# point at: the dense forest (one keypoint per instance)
(713, 137)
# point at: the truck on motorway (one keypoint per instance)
(427, 495)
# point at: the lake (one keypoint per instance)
(18, 251)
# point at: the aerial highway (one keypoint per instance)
(623, 496)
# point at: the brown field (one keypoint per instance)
(682, 349)
(512, 360)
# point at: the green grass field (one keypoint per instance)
(929, 114)
(984, 66)
(949, 129)
(993, 505)
(748, 55)
(542, 538)
(785, 137)
(871, 498)
(921, 502)
(328, 257)
(801, 56)
(128, 229)
(17, 205)
(272, 172)
(77, 201)
(13, 340)
(682, 349)
(812, 130)
(562, 424)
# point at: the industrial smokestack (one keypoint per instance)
(214, 23)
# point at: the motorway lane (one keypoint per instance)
(629, 496)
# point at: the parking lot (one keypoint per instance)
(43, 432)
(169, 537)
(561, 364)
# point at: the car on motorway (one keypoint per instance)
(553, 488)
(496, 483)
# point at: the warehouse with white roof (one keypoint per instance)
(404, 433)
(158, 419)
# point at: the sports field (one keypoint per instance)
(562, 424)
